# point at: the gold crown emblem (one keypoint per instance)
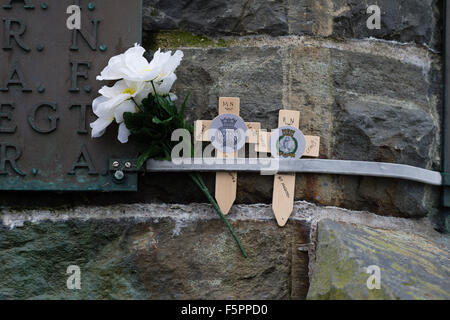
(288, 132)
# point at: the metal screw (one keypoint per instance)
(116, 164)
(128, 165)
(119, 175)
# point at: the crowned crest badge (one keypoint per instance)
(287, 143)
(228, 133)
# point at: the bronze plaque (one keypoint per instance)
(47, 85)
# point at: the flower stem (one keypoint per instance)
(154, 89)
(199, 182)
(137, 105)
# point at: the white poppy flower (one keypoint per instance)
(133, 66)
(138, 78)
(113, 103)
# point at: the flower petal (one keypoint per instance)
(117, 89)
(124, 133)
(127, 106)
(146, 90)
(137, 50)
(97, 102)
(99, 126)
(165, 87)
(112, 72)
(173, 97)
(173, 62)
(117, 65)
(106, 108)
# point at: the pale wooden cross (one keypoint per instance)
(284, 184)
(226, 182)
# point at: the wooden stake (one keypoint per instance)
(226, 182)
(284, 184)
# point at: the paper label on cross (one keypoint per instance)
(202, 127)
(312, 145)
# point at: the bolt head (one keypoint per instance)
(119, 175)
(116, 164)
(128, 165)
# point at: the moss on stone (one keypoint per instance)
(176, 39)
(412, 267)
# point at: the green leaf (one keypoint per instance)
(183, 105)
(152, 127)
(167, 105)
(163, 122)
(152, 151)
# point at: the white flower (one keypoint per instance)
(133, 66)
(138, 78)
(113, 103)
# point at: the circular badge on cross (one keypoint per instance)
(228, 133)
(287, 143)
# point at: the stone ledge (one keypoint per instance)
(303, 211)
(410, 53)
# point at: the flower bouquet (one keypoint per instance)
(142, 104)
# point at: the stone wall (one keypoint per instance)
(372, 95)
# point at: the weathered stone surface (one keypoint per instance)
(255, 74)
(375, 131)
(412, 266)
(402, 20)
(156, 252)
(366, 100)
(217, 16)
(167, 251)
(371, 104)
(359, 99)
(367, 106)
(382, 196)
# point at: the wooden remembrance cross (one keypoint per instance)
(284, 184)
(226, 182)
